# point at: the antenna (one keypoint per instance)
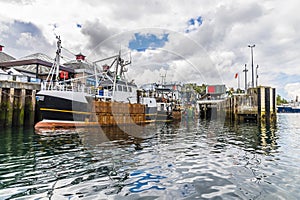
(163, 78)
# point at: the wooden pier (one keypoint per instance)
(17, 103)
(211, 108)
(258, 104)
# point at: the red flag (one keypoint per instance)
(236, 75)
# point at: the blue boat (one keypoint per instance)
(289, 108)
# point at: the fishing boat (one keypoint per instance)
(110, 100)
(167, 100)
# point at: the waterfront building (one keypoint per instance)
(4, 56)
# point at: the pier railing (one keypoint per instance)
(76, 87)
(18, 78)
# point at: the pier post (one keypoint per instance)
(10, 108)
(273, 114)
(205, 111)
(21, 108)
(235, 108)
(32, 107)
(231, 108)
(28, 107)
(267, 103)
(2, 111)
(261, 103)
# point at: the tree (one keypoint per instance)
(280, 100)
(200, 89)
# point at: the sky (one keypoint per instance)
(193, 41)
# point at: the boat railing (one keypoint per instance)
(68, 87)
(99, 93)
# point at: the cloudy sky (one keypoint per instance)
(201, 41)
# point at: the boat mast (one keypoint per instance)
(57, 59)
(54, 71)
(116, 74)
(96, 74)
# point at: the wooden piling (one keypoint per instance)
(10, 108)
(22, 107)
(211, 109)
(29, 107)
(2, 110)
(19, 108)
(17, 103)
(266, 103)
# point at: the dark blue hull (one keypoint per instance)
(287, 109)
(55, 108)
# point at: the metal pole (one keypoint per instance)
(256, 75)
(252, 82)
(251, 46)
(245, 70)
(238, 81)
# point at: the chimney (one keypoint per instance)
(1, 48)
(80, 57)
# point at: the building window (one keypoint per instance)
(124, 88)
(108, 87)
(120, 88)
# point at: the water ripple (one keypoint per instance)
(194, 160)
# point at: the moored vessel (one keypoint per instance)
(288, 108)
(109, 99)
(169, 105)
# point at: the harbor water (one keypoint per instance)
(193, 159)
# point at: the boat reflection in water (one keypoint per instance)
(125, 134)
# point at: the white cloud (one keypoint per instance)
(293, 90)
(26, 39)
